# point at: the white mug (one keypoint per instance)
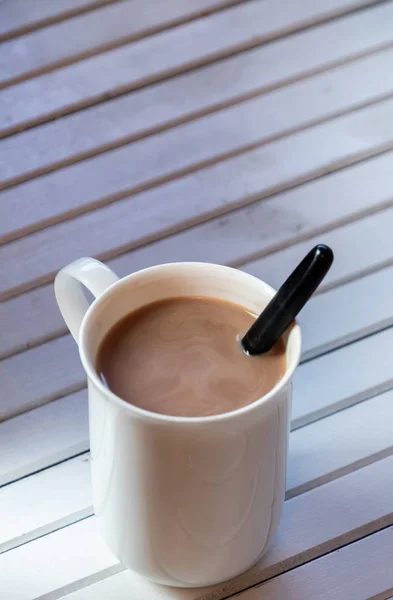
(183, 501)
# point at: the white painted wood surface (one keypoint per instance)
(350, 243)
(283, 219)
(259, 119)
(19, 16)
(370, 310)
(277, 157)
(343, 377)
(149, 60)
(56, 496)
(314, 523)
(70, 190)
(43, 437)
(340, 443)
(153, 108)
(24, 384)
(93, 32)
(249, 170)
(345, 572)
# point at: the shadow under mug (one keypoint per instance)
(183, 501)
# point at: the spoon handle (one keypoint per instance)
(288, 301)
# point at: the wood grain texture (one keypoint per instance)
(357, 572)
(156, 57)
(113, 25)
(286, 161)
(186, 96)
(28, 207)
(318, 453)
(21, 16)
(314, 523)
(44, 436)
(283, 219)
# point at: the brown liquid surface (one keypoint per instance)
(181, 357)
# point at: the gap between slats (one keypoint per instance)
(31, 387)
(357, 571)
(203, 91)
(352, 193)
(376, 255)
(98, 31)
(381, 538)
(49, 12)
(153, 59)
(360, 436)
(68, 193)
(292, 160)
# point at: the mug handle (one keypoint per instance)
(71, 300)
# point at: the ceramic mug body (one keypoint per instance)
(182, 501)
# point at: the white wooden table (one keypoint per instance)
(237, 132)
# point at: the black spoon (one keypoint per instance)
(288, 301)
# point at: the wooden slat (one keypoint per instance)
(318, 453)
(336, 445)
(33, 317)
(339, 512)
(355, 572)
(29, 319)
(45, 376)
(94, 32)
(282, 163)
(191, 94)
(359, 571)
(356, 249)
(46, 557)
(20, 16)
(43, 437)
(355, 372)
(56, 496)
(350, 261)
(369, 310)
(149, 60)
(31, 206)
(257, 120)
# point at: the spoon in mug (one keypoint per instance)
(288, 301)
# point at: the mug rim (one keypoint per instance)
(142, 413)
